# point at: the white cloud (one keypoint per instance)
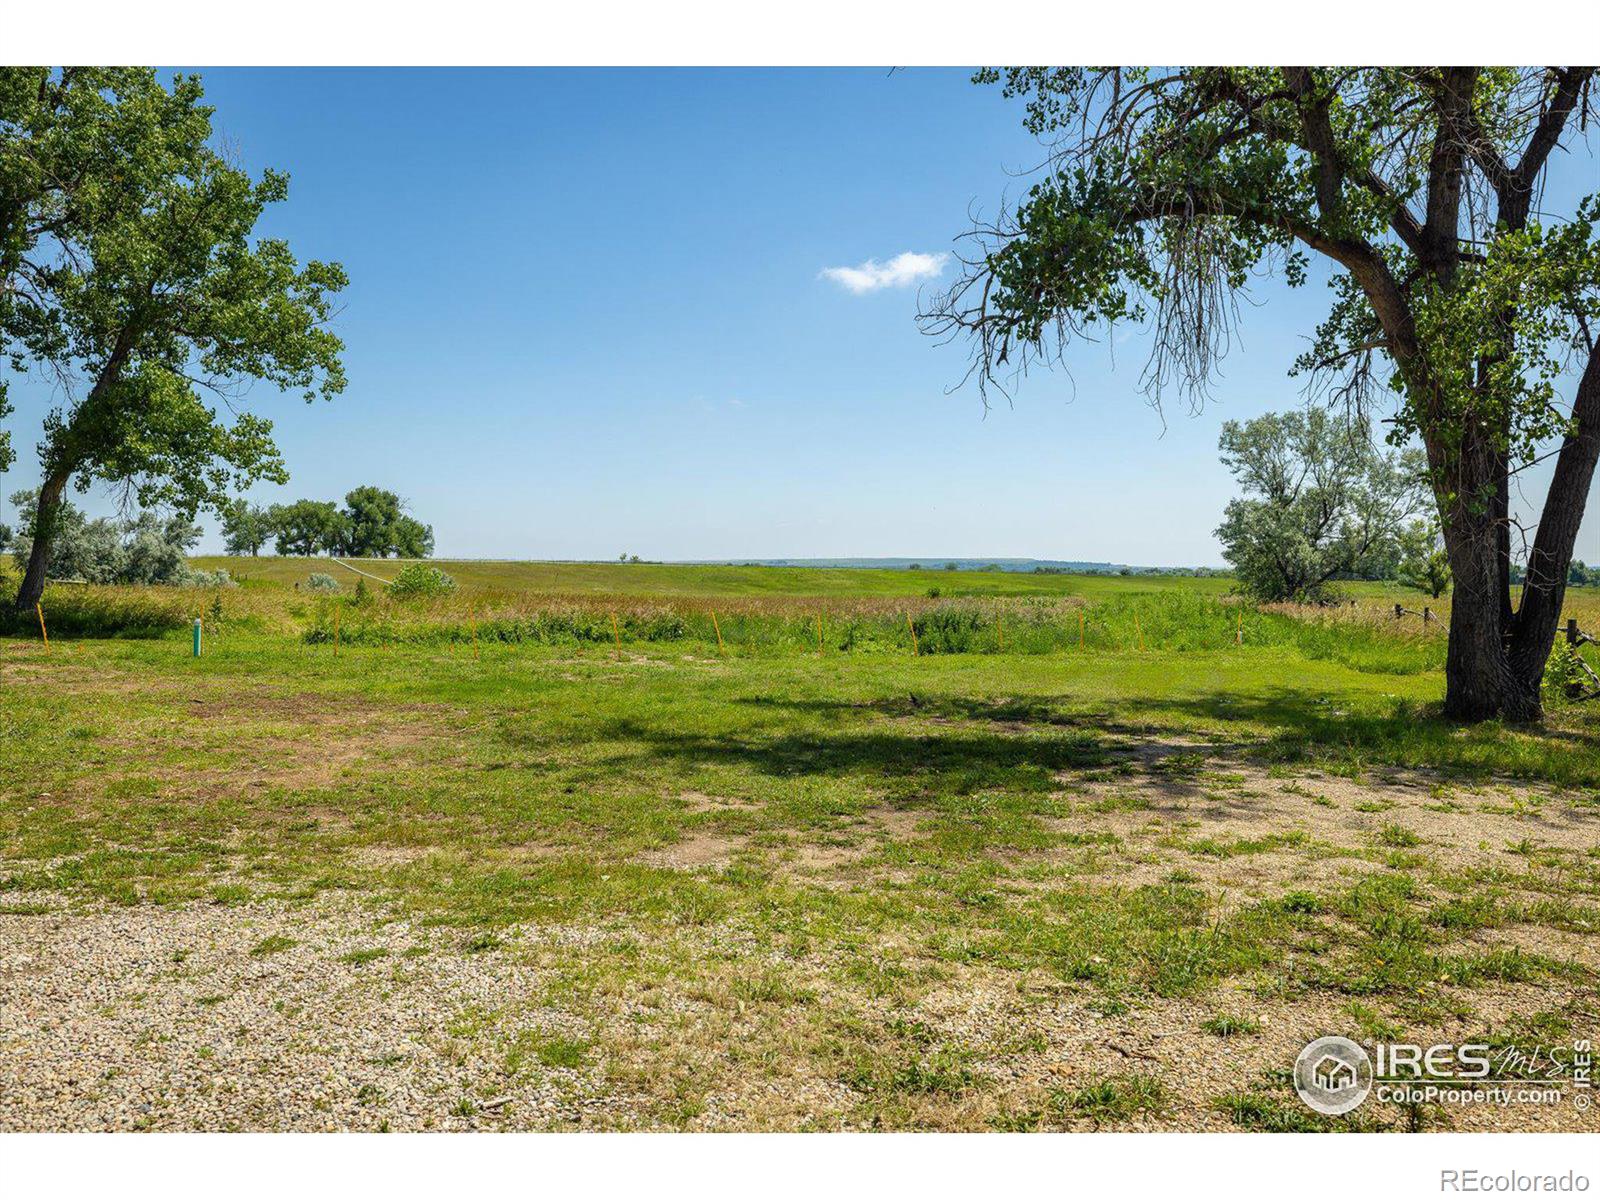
(902, 270)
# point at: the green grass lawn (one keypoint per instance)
(772, 888)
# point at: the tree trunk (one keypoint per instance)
(1483, 679)
(1481, 682)
(44, 530)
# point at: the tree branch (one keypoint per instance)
(1545, 585)
(1570, 82)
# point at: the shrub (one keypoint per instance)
(417, 580)
(1564, 675)
(141, 548)
(321, 581)
(190, 577)
(951, 629)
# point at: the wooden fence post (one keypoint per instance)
(1398, 612)
(718, 628)
(1572, 631)
(915, 649)
(43, 632)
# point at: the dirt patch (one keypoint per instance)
(1253, 824)
(834, 859)
(827, 858)
(295, 740)
(695, 851)
(901, 824)
(385, 857)
(308, 708)
(700, 802)
(29, 663)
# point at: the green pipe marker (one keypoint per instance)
(197, 637)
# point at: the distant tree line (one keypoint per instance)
(1183, 572)
(1580, 575)
(372, 524)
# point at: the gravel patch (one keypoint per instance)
(266, 1017)
(339, 1016)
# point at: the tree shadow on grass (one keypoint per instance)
(959, 761)
(1363, 733)
(927, 705)
(1281, 724)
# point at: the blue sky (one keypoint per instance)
(588, 314)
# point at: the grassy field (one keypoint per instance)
(663, 579)
(482, 867)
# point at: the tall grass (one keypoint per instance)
(1122, 618)
(730, 582)
(91, 611)
(1152, 622)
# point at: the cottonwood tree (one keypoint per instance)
(378, 526)
(412, 539)
(133, 283)
(1321, 503)
(1169, 188)
(246, 527)
(1424, 565)
(309, 527)
(370, 515)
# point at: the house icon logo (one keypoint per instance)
(1333, 1075)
